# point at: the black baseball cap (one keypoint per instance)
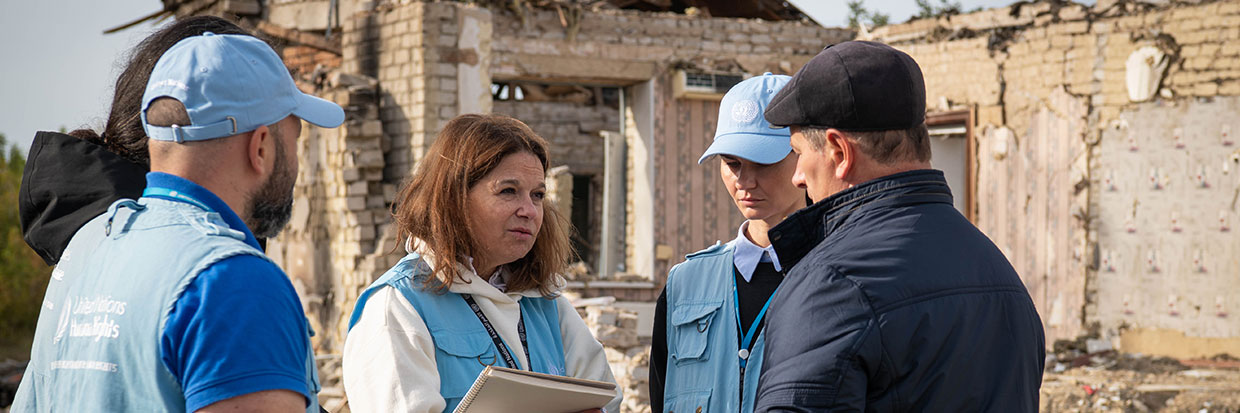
(853, 86)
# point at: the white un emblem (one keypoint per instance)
(744, 111)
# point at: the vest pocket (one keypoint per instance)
(460, 356)
(697, 401)
(691, 326)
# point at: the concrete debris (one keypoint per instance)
(628, 355)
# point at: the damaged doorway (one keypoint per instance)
(951, 148)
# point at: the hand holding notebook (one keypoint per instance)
(500, 389)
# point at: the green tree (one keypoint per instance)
(925, 9)
(23, 276)
(857, 14)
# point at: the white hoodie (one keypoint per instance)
(389, 358)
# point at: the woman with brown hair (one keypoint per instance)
(480, 283)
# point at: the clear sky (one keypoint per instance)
(59, 67)
(834, 13)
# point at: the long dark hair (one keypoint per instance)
(123, 134)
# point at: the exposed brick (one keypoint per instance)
(1230, 88)
(1206, 89)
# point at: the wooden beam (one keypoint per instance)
(151, 16)
(300, 38)
(551, 68)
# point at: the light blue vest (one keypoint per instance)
(462, 346)
(703, 370)
(97, 344)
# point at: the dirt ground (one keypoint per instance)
(1110, 382)
(1099, 382)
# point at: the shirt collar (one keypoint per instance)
(204, 197)
(804, 229)
(746, 255)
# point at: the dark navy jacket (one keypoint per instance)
(895, 302)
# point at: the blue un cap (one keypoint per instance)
(742, 131)
(229, 84)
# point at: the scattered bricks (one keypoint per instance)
(603, 315)
(629, 358)
(350, 174)
(355, 203)
(363, 144)
(375, 202)
(366, 232)
(372, 127)
(389, 193)
(369, 158)
(358, 188)
(366, 218)
(447, 112)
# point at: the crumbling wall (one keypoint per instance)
(570, 128)
(630, 46)
(640, 51)
(339, 237)
(1047, 84)
(628, 355)
(430, 60)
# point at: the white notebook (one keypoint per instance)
(500, 389)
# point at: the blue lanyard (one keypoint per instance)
(165, 192)
(743, 354)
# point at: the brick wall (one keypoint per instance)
(631, 46)
(571, 129)
(305, 60)
(1059, 184)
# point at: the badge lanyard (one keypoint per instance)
(499, 342)
(748, 338)
(165, 192)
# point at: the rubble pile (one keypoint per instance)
(331, 384)
(1088, 375)
(10, 376)
(628, 356)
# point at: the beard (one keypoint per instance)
(271, 206)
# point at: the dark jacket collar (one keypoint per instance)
(67, 182)
(806, 228)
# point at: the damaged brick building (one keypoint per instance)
(1102, 159)
(1094, 144)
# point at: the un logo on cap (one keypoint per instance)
(744, 111)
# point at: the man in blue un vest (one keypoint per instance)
(707, 344)
(166, 303)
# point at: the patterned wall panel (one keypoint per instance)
(1169, 255)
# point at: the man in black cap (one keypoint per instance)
(895, 302)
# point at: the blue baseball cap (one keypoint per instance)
(742, 131)
(229, 84)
